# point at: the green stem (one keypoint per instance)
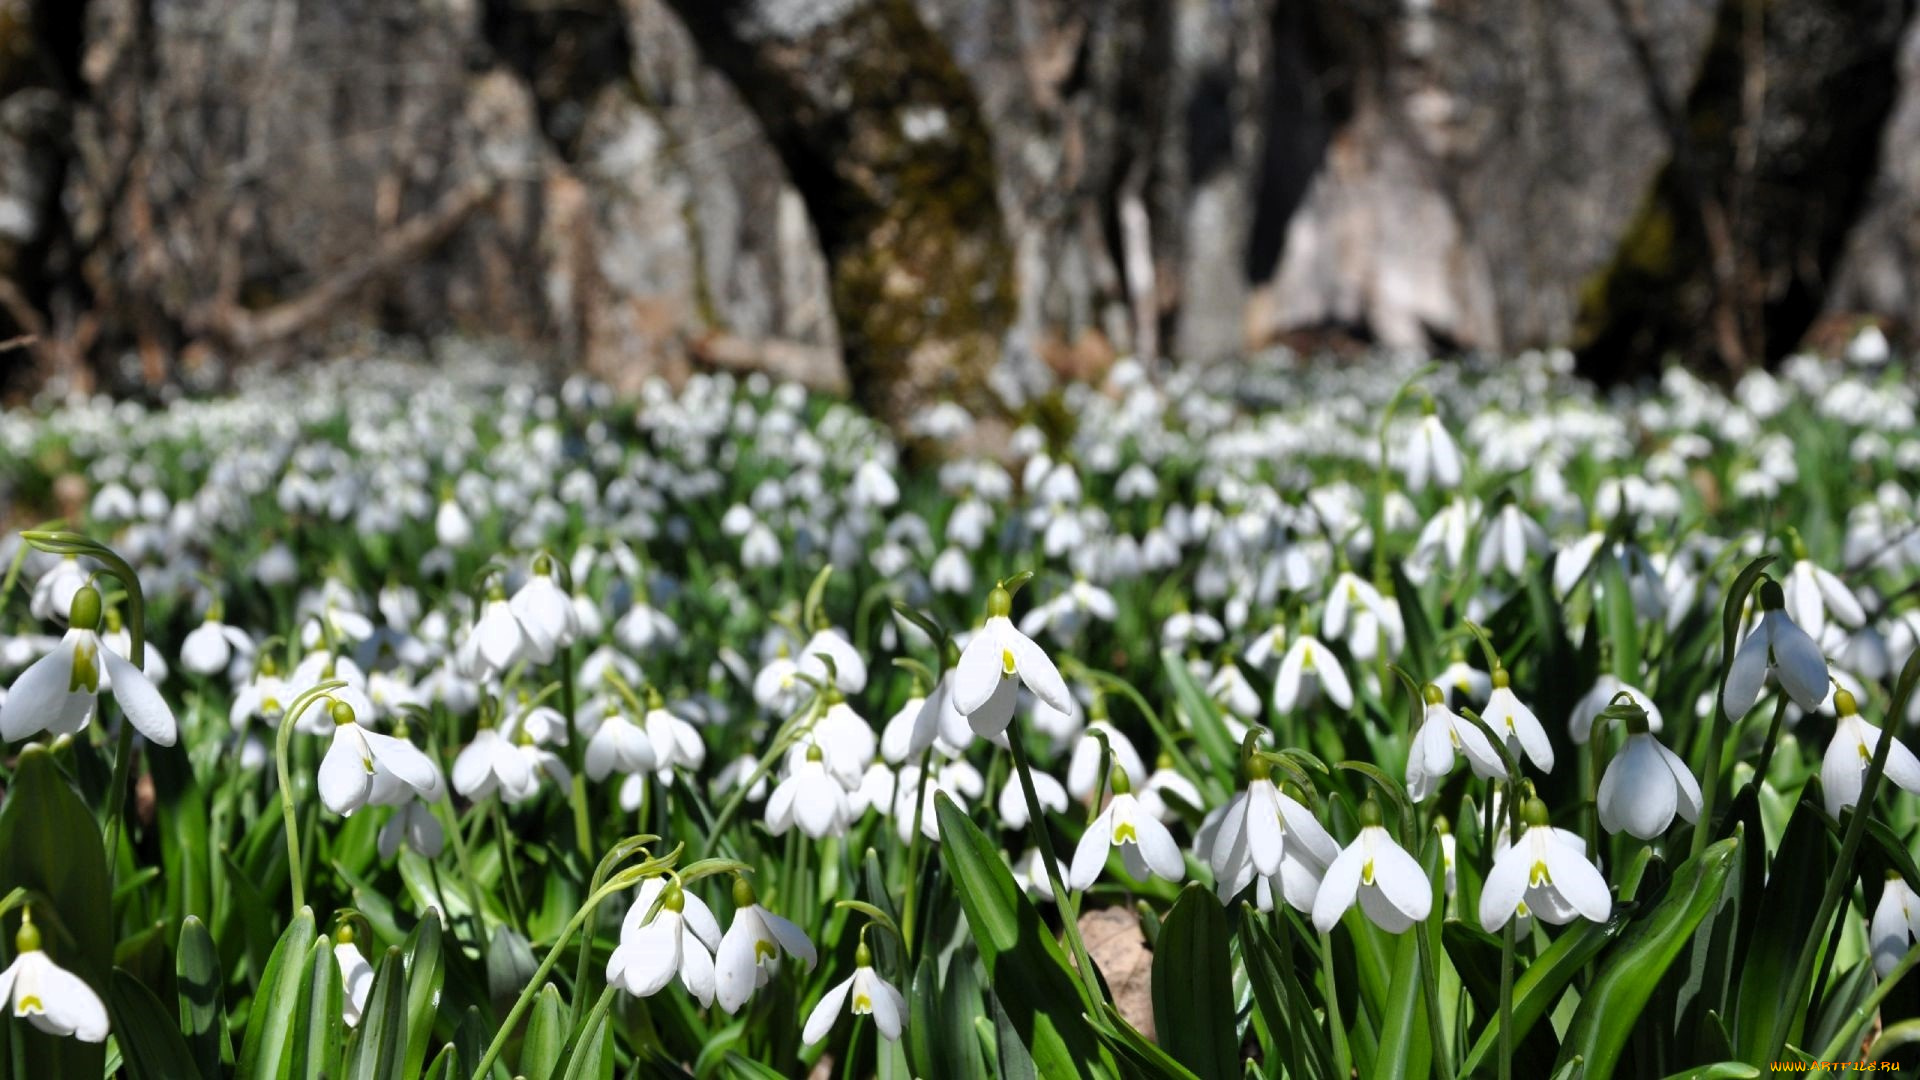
(1506, 999)
(577, 786)
(1336, 1027)
(516, 901)
(117, 799)
(1773, 738)
(914, 846)
(282, 742)
(1037, 824)
(782, 740)
(450, 821)
(1430, 980)
(1710, 786)
(539, 979)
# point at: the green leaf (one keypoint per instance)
(1023, 961)
(319, 1021)
(592, 1057)
(425, 962)
(1788, 906)
(446, 1065)
(381, 1047)
(546, 1035)
(263, 1053)
(1193, 1009)
(1605, 1018)
(1540, 984)
(1725, 1070)
(1142, 1058)
(148, 1038)
(203, 1015)
(50, 844)
(1209, 729)
(940, 1037)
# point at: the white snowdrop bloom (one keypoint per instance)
(47, 995)
(399, 605)
(1265, 833)
(967, 525)
(1605, 689)
(1461, 681)
(53, 592)
(757, 937)
(1030, 873)
(957, 780)
(778, 687)
(951, 573)
(1509, 539)
(414, 825)
(1184, 628)
(1644, 786)
(1231, 689)
(1267, 645)
(1350, 596)
(1431, 456)
(997, 654)
(618, 745)
(846, 738)
(58, 693)
(1012, 803)
(1137, 484)
(360, 763)
(1843, 772)
(1377, 873)
(736, 773)
(877, 790)
(1513, 721)
(490, 763)
(905, 734)
(1083, 768)
(497, 640)
(356, 978)
(1812, 594)
(1308, 670)
(1165, 788)
(1146, 847)
(676, 742)
(871, 996)
(1896, 922)
(1442, 543)
(276, 566)
(1780, 647)
(644, 628)
(873, 486)
(1869, 348)
(849, 668)
(811, 797)
(678, 940)
(545, 612)
(451, 526)
(1572, 561)
(1546, 875)
(760, 548)
(1442, 732)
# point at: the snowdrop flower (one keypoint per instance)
(492, 763)
(1546, 874)
(678, 940)
(957, 780)
(778, 687)
(1442, 732)
(1644, 785)
(1030, 873)
(951, 572)
(872, 996)
(997, 654)
(451, 526)
(1307, 670)
(849, 668)
(1812, 594)
(1232, 690)
(1146, 847)
(1267, 833)
(1780, 647)
(643, 628)
(873, 486)
(1513, 721)
(363, 767)
(58, 693)
(1379, 875)
(811, 798)
(1431, 456)
(1843, 772)
(1012, 803)
(1083, 768)
(1896, 922)
(414, 825)
(756, 937)
(212, 645)
(1164, 782)
(356, 976)
(676, 742)
(1605, 689)
(1463, 679)
(53, 592)
(1571, 563)
(618, 745)
(497, 640)
(47, 995)
(1509, 539)
(545, 612)
(1184, 628)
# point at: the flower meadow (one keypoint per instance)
(1302, 720)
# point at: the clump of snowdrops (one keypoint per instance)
(1308, 722)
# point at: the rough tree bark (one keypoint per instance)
(1773, 154)
(881, 134)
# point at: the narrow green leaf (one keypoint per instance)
(319, 1023)
(382, 1045)
(1142, 1058)
(546, 1036)
(203, 1015)
(592, 1057)
(1788, 905)
(1193, 1009)
(425, 962)
(263, 1053)
(1605, 1018)
(148, 1038)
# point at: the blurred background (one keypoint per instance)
(910, 199)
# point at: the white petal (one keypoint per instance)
(1264, 836)
(1338, 887)
(1579, 882)
(1798, 664)
(1036, 669)
(1157, 847)
(886, 1008)
(1400, 879)
(346, 777)
(790, 938)
(978, 674)
(696, 971)
(1746, 675)
(1505, 887)
(820, 1020)
(1638, 794)
(1090, 855)
(39, 700)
